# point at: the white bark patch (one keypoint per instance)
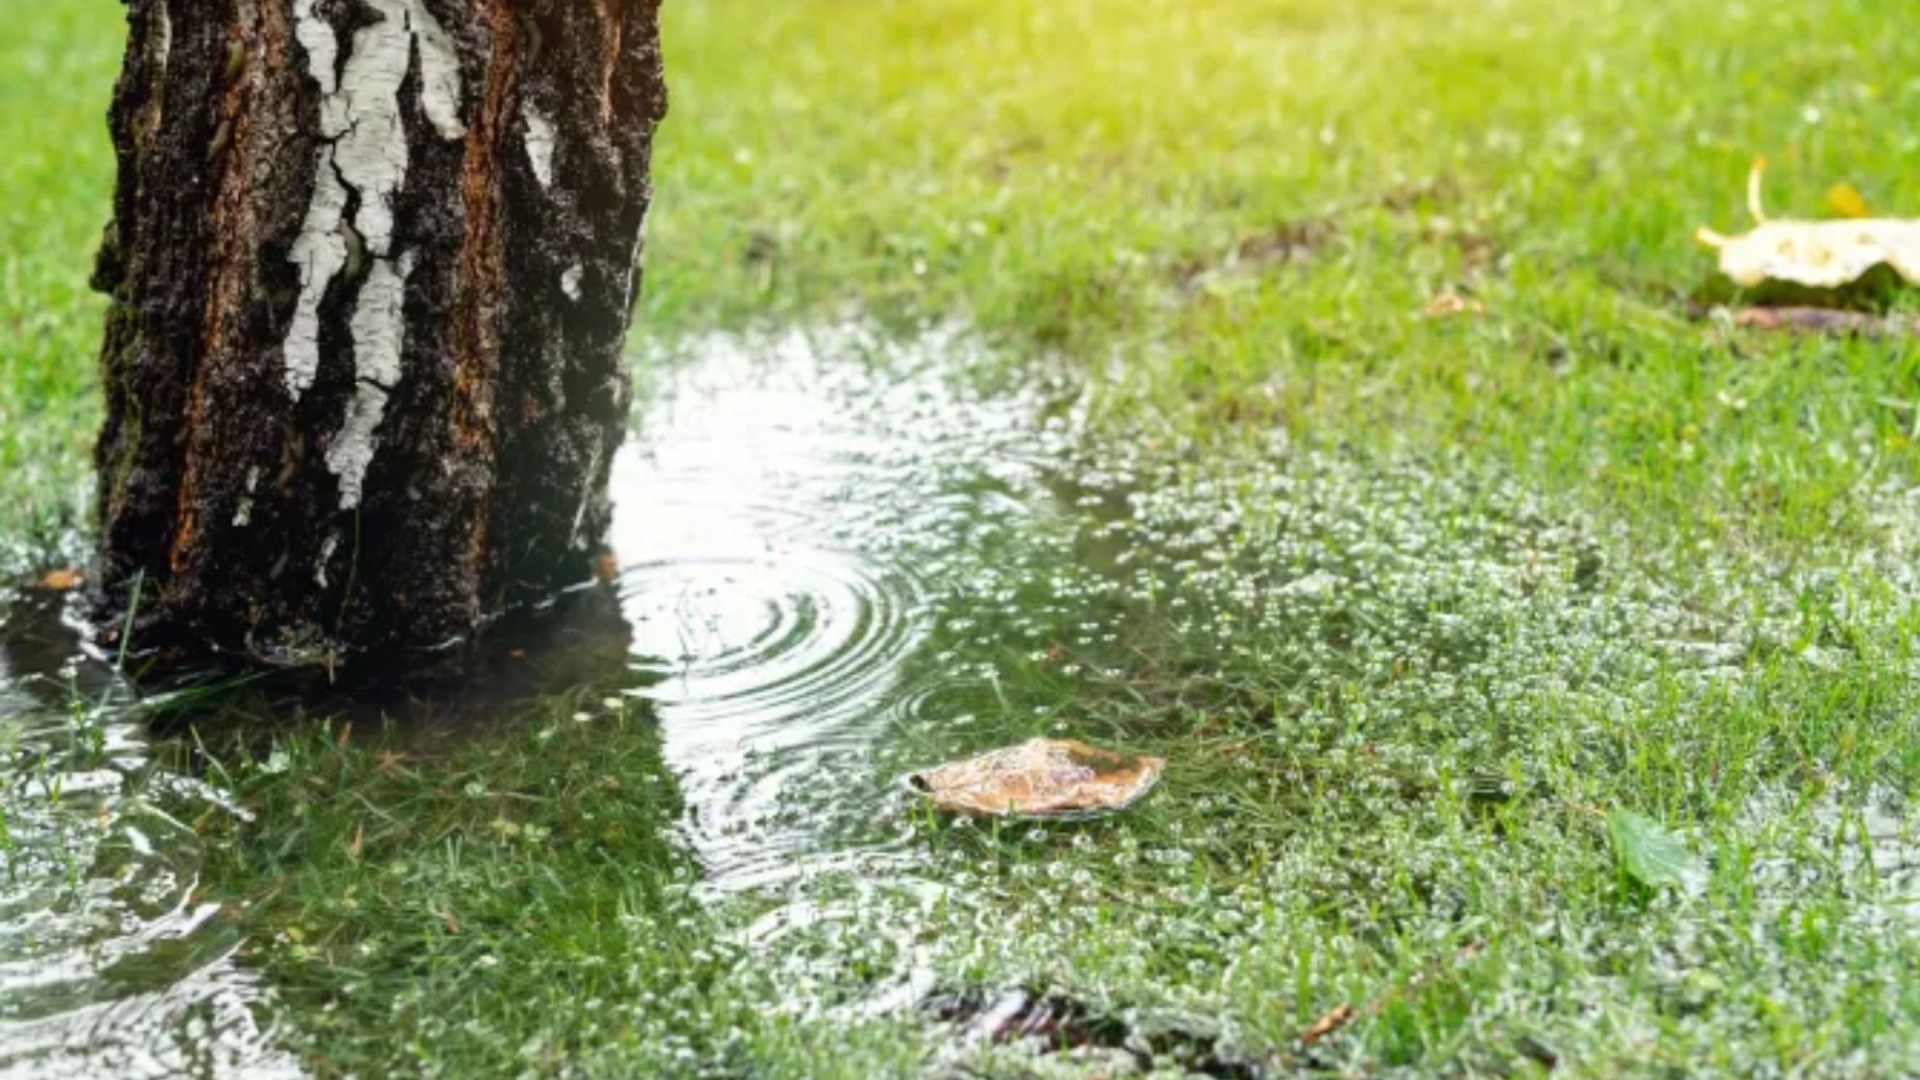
(327, 548)
(323, 49)
(541, 141)
(379, 335)
(243, 517)
(320, 251)
(162, 37)
(367, 153)
(364, 117)
(570, 281)
(439, 72)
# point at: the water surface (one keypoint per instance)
(835, 563)
(772, 506)
(782, 516)
(110, 964)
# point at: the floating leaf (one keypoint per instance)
(1651, 855)
(1041, 778)
(1814, 254)
(1845, 199)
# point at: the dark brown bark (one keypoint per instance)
(371, 266)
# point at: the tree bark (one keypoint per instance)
(372, 264)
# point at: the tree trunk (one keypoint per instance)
(372, 264)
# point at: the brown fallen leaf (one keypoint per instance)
(1041, 778)
(63, 580)
(1451, 304)
(358, 844)
(1817, 320)
(1336, 1018)
(1813, 254)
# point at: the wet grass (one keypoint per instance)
(1411, 605)
(1241, 209)
(1401, 700)
(1245, 205)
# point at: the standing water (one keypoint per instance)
(835, 565)
(774, 525)
(110, 965)
(771, 510)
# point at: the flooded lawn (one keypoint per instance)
(1400, 696)
(1532, 649)
(113, 960)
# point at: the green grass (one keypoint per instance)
(56, 170)
(1057, 174)
(1078, 177)
(1225, 218)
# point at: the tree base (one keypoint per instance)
(372, 266)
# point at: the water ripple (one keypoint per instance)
(768, 642)
(772, 515)
(109, 963)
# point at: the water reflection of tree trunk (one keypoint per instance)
(575, 651)
(110, 907)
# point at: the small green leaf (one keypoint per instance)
(1651, 855)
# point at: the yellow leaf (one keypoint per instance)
(1845, 199)
(1817, 254)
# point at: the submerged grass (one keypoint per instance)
(514, 907)
(1505, 574)
(1401, 700)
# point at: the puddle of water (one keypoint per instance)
(110, 965)
(777, 511)
(771, 507)
(836, 565)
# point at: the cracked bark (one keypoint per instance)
(371, 266)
